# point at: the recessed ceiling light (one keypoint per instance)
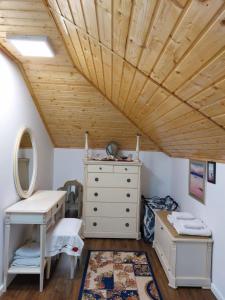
(35, 46)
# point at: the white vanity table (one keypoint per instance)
(42, 208)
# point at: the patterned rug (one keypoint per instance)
(118, 275)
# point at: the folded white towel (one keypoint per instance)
(180, 228)
(30, 249)
(26, 262)
(193, 226)
(182, 215)
(196, 223)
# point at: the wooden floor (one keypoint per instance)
(60, 287)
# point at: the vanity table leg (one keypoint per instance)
(73, 265)
(42, 252)
(6, 255)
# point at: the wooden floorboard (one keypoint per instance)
(60, 287)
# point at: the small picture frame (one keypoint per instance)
(211, 172)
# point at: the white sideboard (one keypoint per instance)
(186, 260)
(42, 208)
(111, 199)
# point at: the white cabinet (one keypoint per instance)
(186, 260)
(111, 199)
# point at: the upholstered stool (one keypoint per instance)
(64, 237)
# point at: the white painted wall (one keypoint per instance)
(68, 164)
(213, 213)
(17, 110)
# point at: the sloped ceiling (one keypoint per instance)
(160, 62)
(67, 102)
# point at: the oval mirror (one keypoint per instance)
(25, 163)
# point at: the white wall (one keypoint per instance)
(68, 164)
(17, 110)
(213, 213)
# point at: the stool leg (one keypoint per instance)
(73, 264)
(48, 267)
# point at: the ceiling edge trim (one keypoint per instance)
(29, 86)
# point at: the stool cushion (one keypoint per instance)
(64, 238)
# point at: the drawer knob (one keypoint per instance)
(96, 194)
(128, 195)
(95, 224)
(100, 168)
(57, 205)
(128, 180)
(127, 209)
(161, 228)
(127, 224)
(125, 169)
(96, 179)
(95, 208)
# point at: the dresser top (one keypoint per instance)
(39, 202)
(112, 162)
(162, 214)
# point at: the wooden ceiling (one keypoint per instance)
(161, 63)
(67, 102)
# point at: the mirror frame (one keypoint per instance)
(24, 194)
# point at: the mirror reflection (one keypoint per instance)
(25, 161)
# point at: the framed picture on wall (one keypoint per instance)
(197, 170)
(211, 172)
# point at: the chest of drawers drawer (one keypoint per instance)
(100, 169)
(114, 210)
(116, 225)
(107, 195)
(126, 169)
(112, 180)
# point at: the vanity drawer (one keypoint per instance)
(115, 225)
(112, 195)
(112, 180)
(57, 207)
(112, 210)
(126, 169)
(100, 168)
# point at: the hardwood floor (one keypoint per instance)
(60, 287)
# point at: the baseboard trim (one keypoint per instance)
(216, 292)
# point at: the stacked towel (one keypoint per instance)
(27, 256)
(185, 223)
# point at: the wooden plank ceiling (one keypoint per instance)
(161, 63)
(68, 103)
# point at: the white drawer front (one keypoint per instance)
(118, 210)
(126, 169)
(57, 207)
(112, 195)
(118, 225)
(112, 180)
(100, 168)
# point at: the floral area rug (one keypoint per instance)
(118, 275)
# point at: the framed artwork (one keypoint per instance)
(197, 170)
(211, 172)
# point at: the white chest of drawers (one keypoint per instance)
(111, 199)
(185, 259)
